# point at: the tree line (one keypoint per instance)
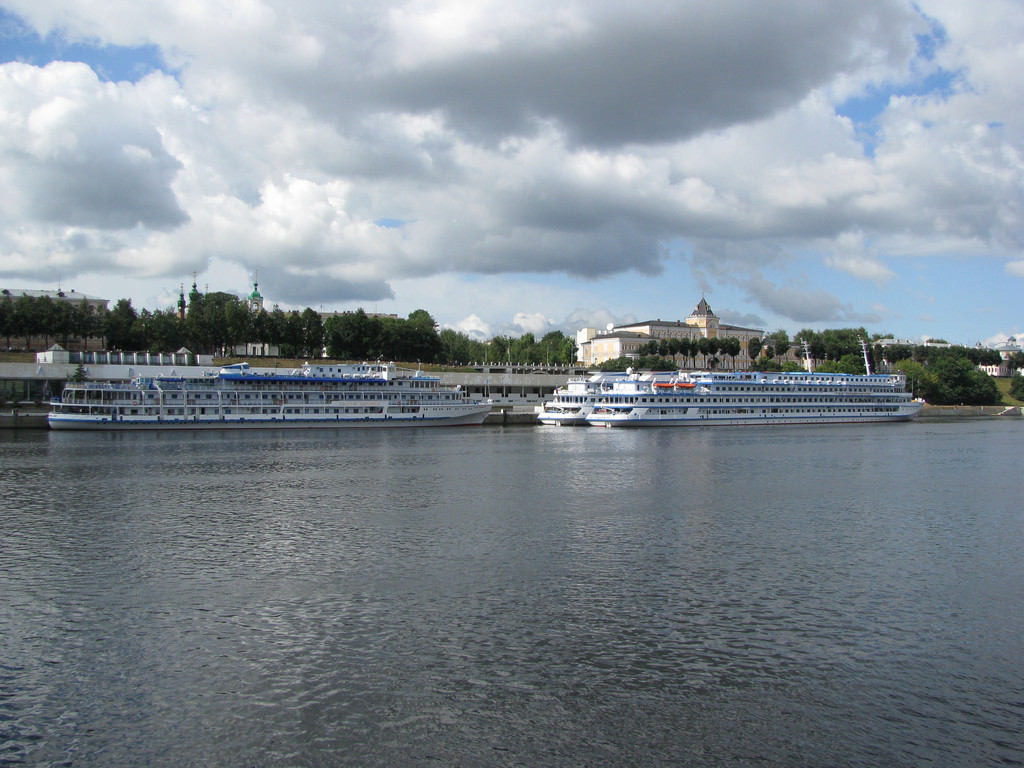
(216, 323)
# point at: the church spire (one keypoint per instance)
(255, 299)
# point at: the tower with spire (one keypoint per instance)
(195, 298)
(255, 299)
(703, 317)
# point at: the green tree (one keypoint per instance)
(1017, 387)
(731, 346)
(754, 348)
(119, 326)
(950, 379)
(84, 321)
(7, 318)
(776, 344)
(239, 322)
(688, 349)
(498, 349)
(557, 348)
(420, 318)
(312, 333)
(63, 320)
(162, 330)
(524, 350)
(350, 335)
(851, 362)
(292, 339)
(704, 348)
(460, 349)
(895, 352)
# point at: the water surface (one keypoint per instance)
(514, 596)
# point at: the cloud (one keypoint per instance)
(474, 327)
(596, 318)
(805, 305)
(1015, 268)
(81, 154)
(529, 144)
(852, 254)
(675, 65)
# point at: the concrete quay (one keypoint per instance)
(23, 420)
(511, 417)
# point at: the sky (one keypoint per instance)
(525, 166)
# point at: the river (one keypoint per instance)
(789, 596)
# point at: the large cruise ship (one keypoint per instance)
(734, 398)
(240, 397)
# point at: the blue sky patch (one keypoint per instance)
(111, 63)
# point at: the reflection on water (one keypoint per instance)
(804, 596)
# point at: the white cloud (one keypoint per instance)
(474, 327)
(530, 149)
(536, 323)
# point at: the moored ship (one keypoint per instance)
(739, 398)
(572, 403)
(240, 397)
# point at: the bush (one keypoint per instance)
(1017, 387)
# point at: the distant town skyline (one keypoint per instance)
(526, 167)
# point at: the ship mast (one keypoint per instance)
(867, 358)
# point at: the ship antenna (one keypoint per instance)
(807, 356)
(867, 358)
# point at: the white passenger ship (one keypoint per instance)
(239, 397)
(572, 403)
(754, 398)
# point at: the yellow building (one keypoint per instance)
(594, 347)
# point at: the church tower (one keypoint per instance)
(255, 299)
(195, 298)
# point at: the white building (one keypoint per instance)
(1005, 350)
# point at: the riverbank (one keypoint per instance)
(23, 420)
(969, 411)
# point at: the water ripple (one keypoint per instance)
(513, 597)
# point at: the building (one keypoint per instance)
(68, 337)
(595, 347)
(256, 348)
(1005, 350)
